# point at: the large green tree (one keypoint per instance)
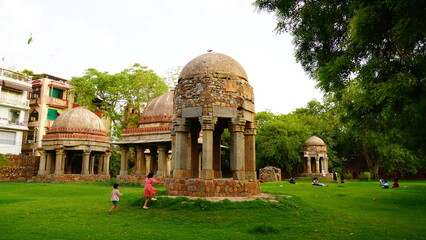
(134, 86)
(370, 56)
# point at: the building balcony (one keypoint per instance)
(13, 100)
(34, 101)
(13, 125)
(57, 102)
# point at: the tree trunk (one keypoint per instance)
(374, 169)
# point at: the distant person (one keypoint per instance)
(149, 190)
(385, 184)
(292, 181)
(342, 178)
(323, 173)
(316, 183)
(381, 182)
(395, 182)
(115, 197)
(335, 177)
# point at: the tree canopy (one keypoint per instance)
(134, 86)
(370, 58)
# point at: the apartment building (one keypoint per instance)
(49, 98)
(15, 89)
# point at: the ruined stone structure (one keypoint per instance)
(20, 168)
(76, 148)
(315, 160)
(151, 140)
(213, 93)
(270, 174)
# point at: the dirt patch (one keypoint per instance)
(263, 196)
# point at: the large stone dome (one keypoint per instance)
(213, 63)
(78, 120)
(213, 84)
(159, 109)
(314, 141)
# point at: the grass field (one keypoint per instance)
(340, 211)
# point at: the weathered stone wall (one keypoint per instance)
(71, 178)
(21, 168)
(212, 188)
(141, 179)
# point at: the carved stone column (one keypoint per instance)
(42, 165)
(182, 160)
(92, 165)
(140, 161)
(107, 157)
(308, 165)
(162, 161)
(49, 160)
(207, 125)
(250, 151)
(237, 148)
(317, 166)
(85, 162)
(124, 160)
(59, 162)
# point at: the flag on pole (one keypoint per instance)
(30, 39)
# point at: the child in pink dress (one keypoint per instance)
(149, 190)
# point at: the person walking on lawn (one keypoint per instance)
(115, 197)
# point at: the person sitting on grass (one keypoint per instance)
(292, 181)
(385, 184)
(316, 183)
(149, 190)
(115, 197)
(395, 182)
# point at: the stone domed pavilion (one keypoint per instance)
(315, 160)
(74, 145)
(153, 136)
(213, 93)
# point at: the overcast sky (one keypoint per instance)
(70, 36)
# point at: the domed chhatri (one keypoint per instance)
(213, 94)
(77, 121)
(75, 144)
(213, 84)
(158, 110)
(314, 141)
(153, 133)
(315, 159)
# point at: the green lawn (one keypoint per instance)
(340, 211)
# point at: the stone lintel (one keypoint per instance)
(192, 112)
(224, 112)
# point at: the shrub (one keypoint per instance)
(348, 175)
(3, 160)
(365, 176)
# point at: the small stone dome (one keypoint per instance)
(314, 141)
(80, 120)
(213, 84)
(213, 63)
(161, 108)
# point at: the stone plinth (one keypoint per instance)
(71, 178)
(197, 187)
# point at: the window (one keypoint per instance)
(7, 137)
(52, 114)
(34, 116)
(14, 116)
(57, 93)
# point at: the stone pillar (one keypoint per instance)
(207, 125)
(217, 163)
(85, 162)
(308, 165)
(250, 151)
(237, 148)
(154, 159)
(194, 152)
(101, 164)
(124, 160)
(173, 148)
(92, 165)
(107, 157)
(59, 162)
(42, 165)
(317, 166)
(162, 161)
(326, 164)
(49, 160)
(140, 161)
(182, 158)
